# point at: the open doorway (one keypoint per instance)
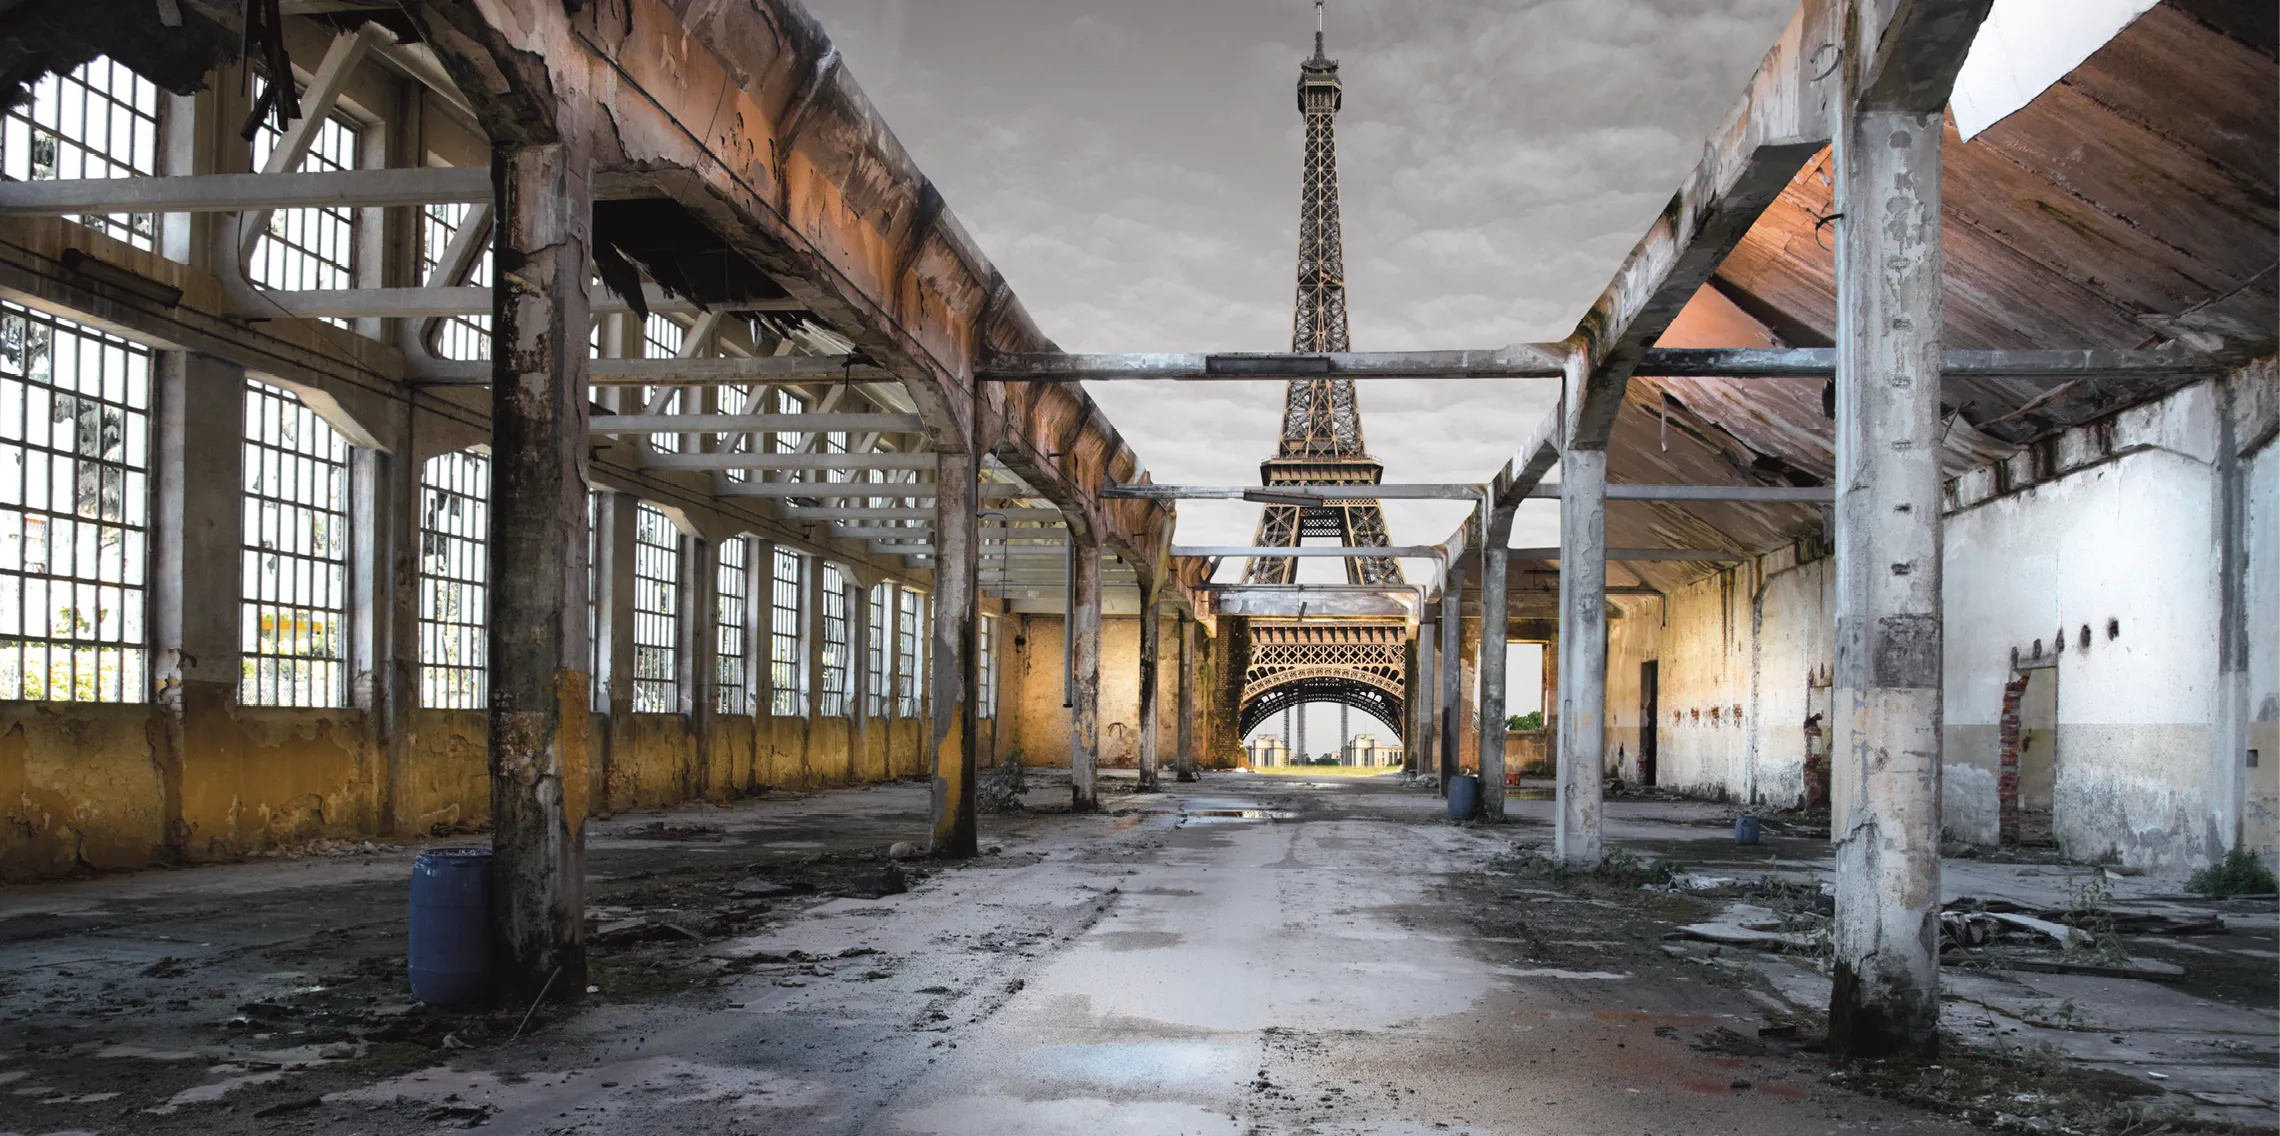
(2038, 755)
(1650, 712)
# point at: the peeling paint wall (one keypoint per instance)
(94, 787)
(1030, 693)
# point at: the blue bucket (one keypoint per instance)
(450, 949)
(1745, 829)
(1464, 796)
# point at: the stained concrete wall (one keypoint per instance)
(1038, 725)
(99, 787)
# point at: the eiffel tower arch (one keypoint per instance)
(1360, 664)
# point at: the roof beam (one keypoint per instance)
(236, 193)
(676, 372)
(460, 300)
(1518, 361)
(758, 424)
(829, 462)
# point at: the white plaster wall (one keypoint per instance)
(2261, 799)
(2131, 540)
(1702, 745)
(1796, 646)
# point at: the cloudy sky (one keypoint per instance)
(1133, 169)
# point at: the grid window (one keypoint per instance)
(293, 625)
(465, 338)
(656, 612)
(838, 658)
(910, 653)
(732, 595)
(661, 339)
(787, 667)
(99, 121)
(985, 664)
(455, 575)
(875, 651)
(74, 509)
(835, 442)
(313, 247)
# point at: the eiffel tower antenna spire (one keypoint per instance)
(1322, 426)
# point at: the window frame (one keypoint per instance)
(732, 607)
(133, 366)
(296, 463)
(460, 479)
(657, 596)
(787, 645)
(20, 124)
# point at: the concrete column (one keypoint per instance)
(954, 687)
(811, 642)
(614, 622)
(1452, 690)
(1083, 629)
(385, 583)
(852, 594)
(700, 568)
(1885, 743)
(1494, 629)
(196, 482)
(538, 722)
(1185, 763)
(1425, 760)
(1151, 647)
(759, 635)
(1583, 650)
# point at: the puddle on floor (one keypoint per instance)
(1222, 816)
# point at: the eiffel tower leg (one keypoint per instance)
(1278, 528)
(1364, 522)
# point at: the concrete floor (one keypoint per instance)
(1251, 954)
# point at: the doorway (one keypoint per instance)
(1650, 712)
(2038, 756)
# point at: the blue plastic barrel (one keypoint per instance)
(450, 949)
(1464, 796)
(1745, 829)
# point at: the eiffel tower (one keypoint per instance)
(1322, 426)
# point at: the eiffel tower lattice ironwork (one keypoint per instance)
(1322, 426)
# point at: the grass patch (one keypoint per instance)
(2239, 873)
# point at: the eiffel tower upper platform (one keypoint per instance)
(1322, 426)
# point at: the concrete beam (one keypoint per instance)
(1324, 492)
(1518, 361)
(1344, 553)
(450, 300)
(1779, 124)
(1664, 555)
(237, 193)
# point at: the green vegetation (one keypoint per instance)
(1529, 722)
(2239, 873)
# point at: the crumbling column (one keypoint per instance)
(1885, 743)
(1451, 668)
(1494, 632)
(537, 644)
(1185, 762)
(698, 674)
(954, 687)
(1083, 628)
(1151, 647)
(1583, 654)
(1423, 695)
(195, 550)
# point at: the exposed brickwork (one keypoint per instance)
(2007, 760)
